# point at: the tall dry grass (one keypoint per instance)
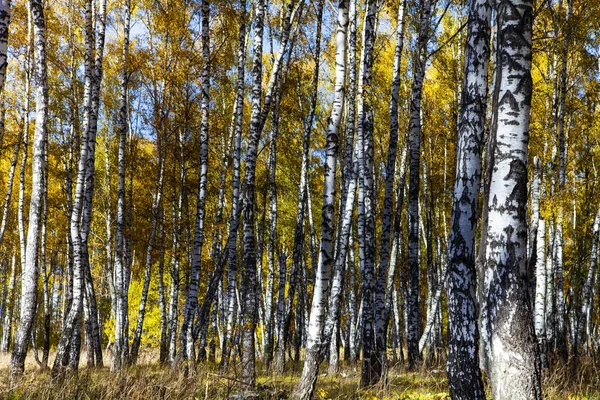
(148, 380)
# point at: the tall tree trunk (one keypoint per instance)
(91, 126)
(234, 221)
(30, 270)
(419, 64)
(248, 376)
(23, 167)
(121, 265)
(191, 304)
(272, 240)
(371, 364)
(381, 292)
(67, 353)
(464, 375)
(514, 368)
(313, 357)
(539, 227)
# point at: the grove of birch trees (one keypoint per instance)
(269, 188)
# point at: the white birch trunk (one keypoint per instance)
(308, 380)
(514, 369)
(30, 269)
(187, 341)
(248, 374)
(231, 246)
(387, 231)
(121, 264)
(419, 61)
(464, 375)
(540, 307)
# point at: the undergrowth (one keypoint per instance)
(148, 380)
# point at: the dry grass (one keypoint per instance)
(148, 380)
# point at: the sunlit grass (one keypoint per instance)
(148, 380)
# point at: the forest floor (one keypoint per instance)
(148, 380)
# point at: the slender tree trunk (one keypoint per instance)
(381, 292)
(539, 227)
(514, 368)
(23, 166)
(67, 353)
(419, 64)
(175, 278)
(371, 364)
(162, 299)
(250, 309)
(234, 222)
(464, 375)
(30, 270)
(318, 313)
(187, 341)
(121, 265)
(91, 125)
(560, 335)
(46, 272)
(550, 293)
(272, 240)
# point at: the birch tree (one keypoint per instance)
(371, 363)
(187, 341)
(91, 126)
(514, 369)
(121, 267)
(313, 357)
(419, 61)
(234, 221)
(464, 375)
(249, 196)
(388, 232)
(30, 269)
